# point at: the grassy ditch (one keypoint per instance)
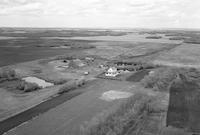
(121, 121)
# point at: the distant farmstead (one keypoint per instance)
(112, 72)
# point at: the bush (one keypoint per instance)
(80, 82)
(177, 38)
(64, 57)
(82, 47)
(7, 74)
(58, 81)
(28, 87)
(160, 79)
(67, 87)
(153, 37)
(71, 85)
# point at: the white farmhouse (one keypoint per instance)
(112, 72)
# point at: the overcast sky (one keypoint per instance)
(101, 13)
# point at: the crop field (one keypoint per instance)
(183, 111)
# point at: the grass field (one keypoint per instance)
(185, 55)
(140, 114)
(138, 76)
(120, 121)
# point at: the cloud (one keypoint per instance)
(139, 13)
(20, 7)
(15, 2)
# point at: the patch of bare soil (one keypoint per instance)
(113, 95)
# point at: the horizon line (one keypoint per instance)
(103, 28)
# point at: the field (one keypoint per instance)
(72, 59)
(69, 116)
(184, 101)
(139, 114)
(182, 56)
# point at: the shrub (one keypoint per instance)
(57, 81)
(153, 37)
(64, 57)
(67, 87)
(177, 38)
(28, 87)
(80, 82)
(31, 87)
(71, 85)
(160, 79)
(7, 74)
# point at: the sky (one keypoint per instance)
(100, 13)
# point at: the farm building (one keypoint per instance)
(132, 66)
(112, 72)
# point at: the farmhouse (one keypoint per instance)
(112, 72)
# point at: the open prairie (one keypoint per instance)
(185, 55)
